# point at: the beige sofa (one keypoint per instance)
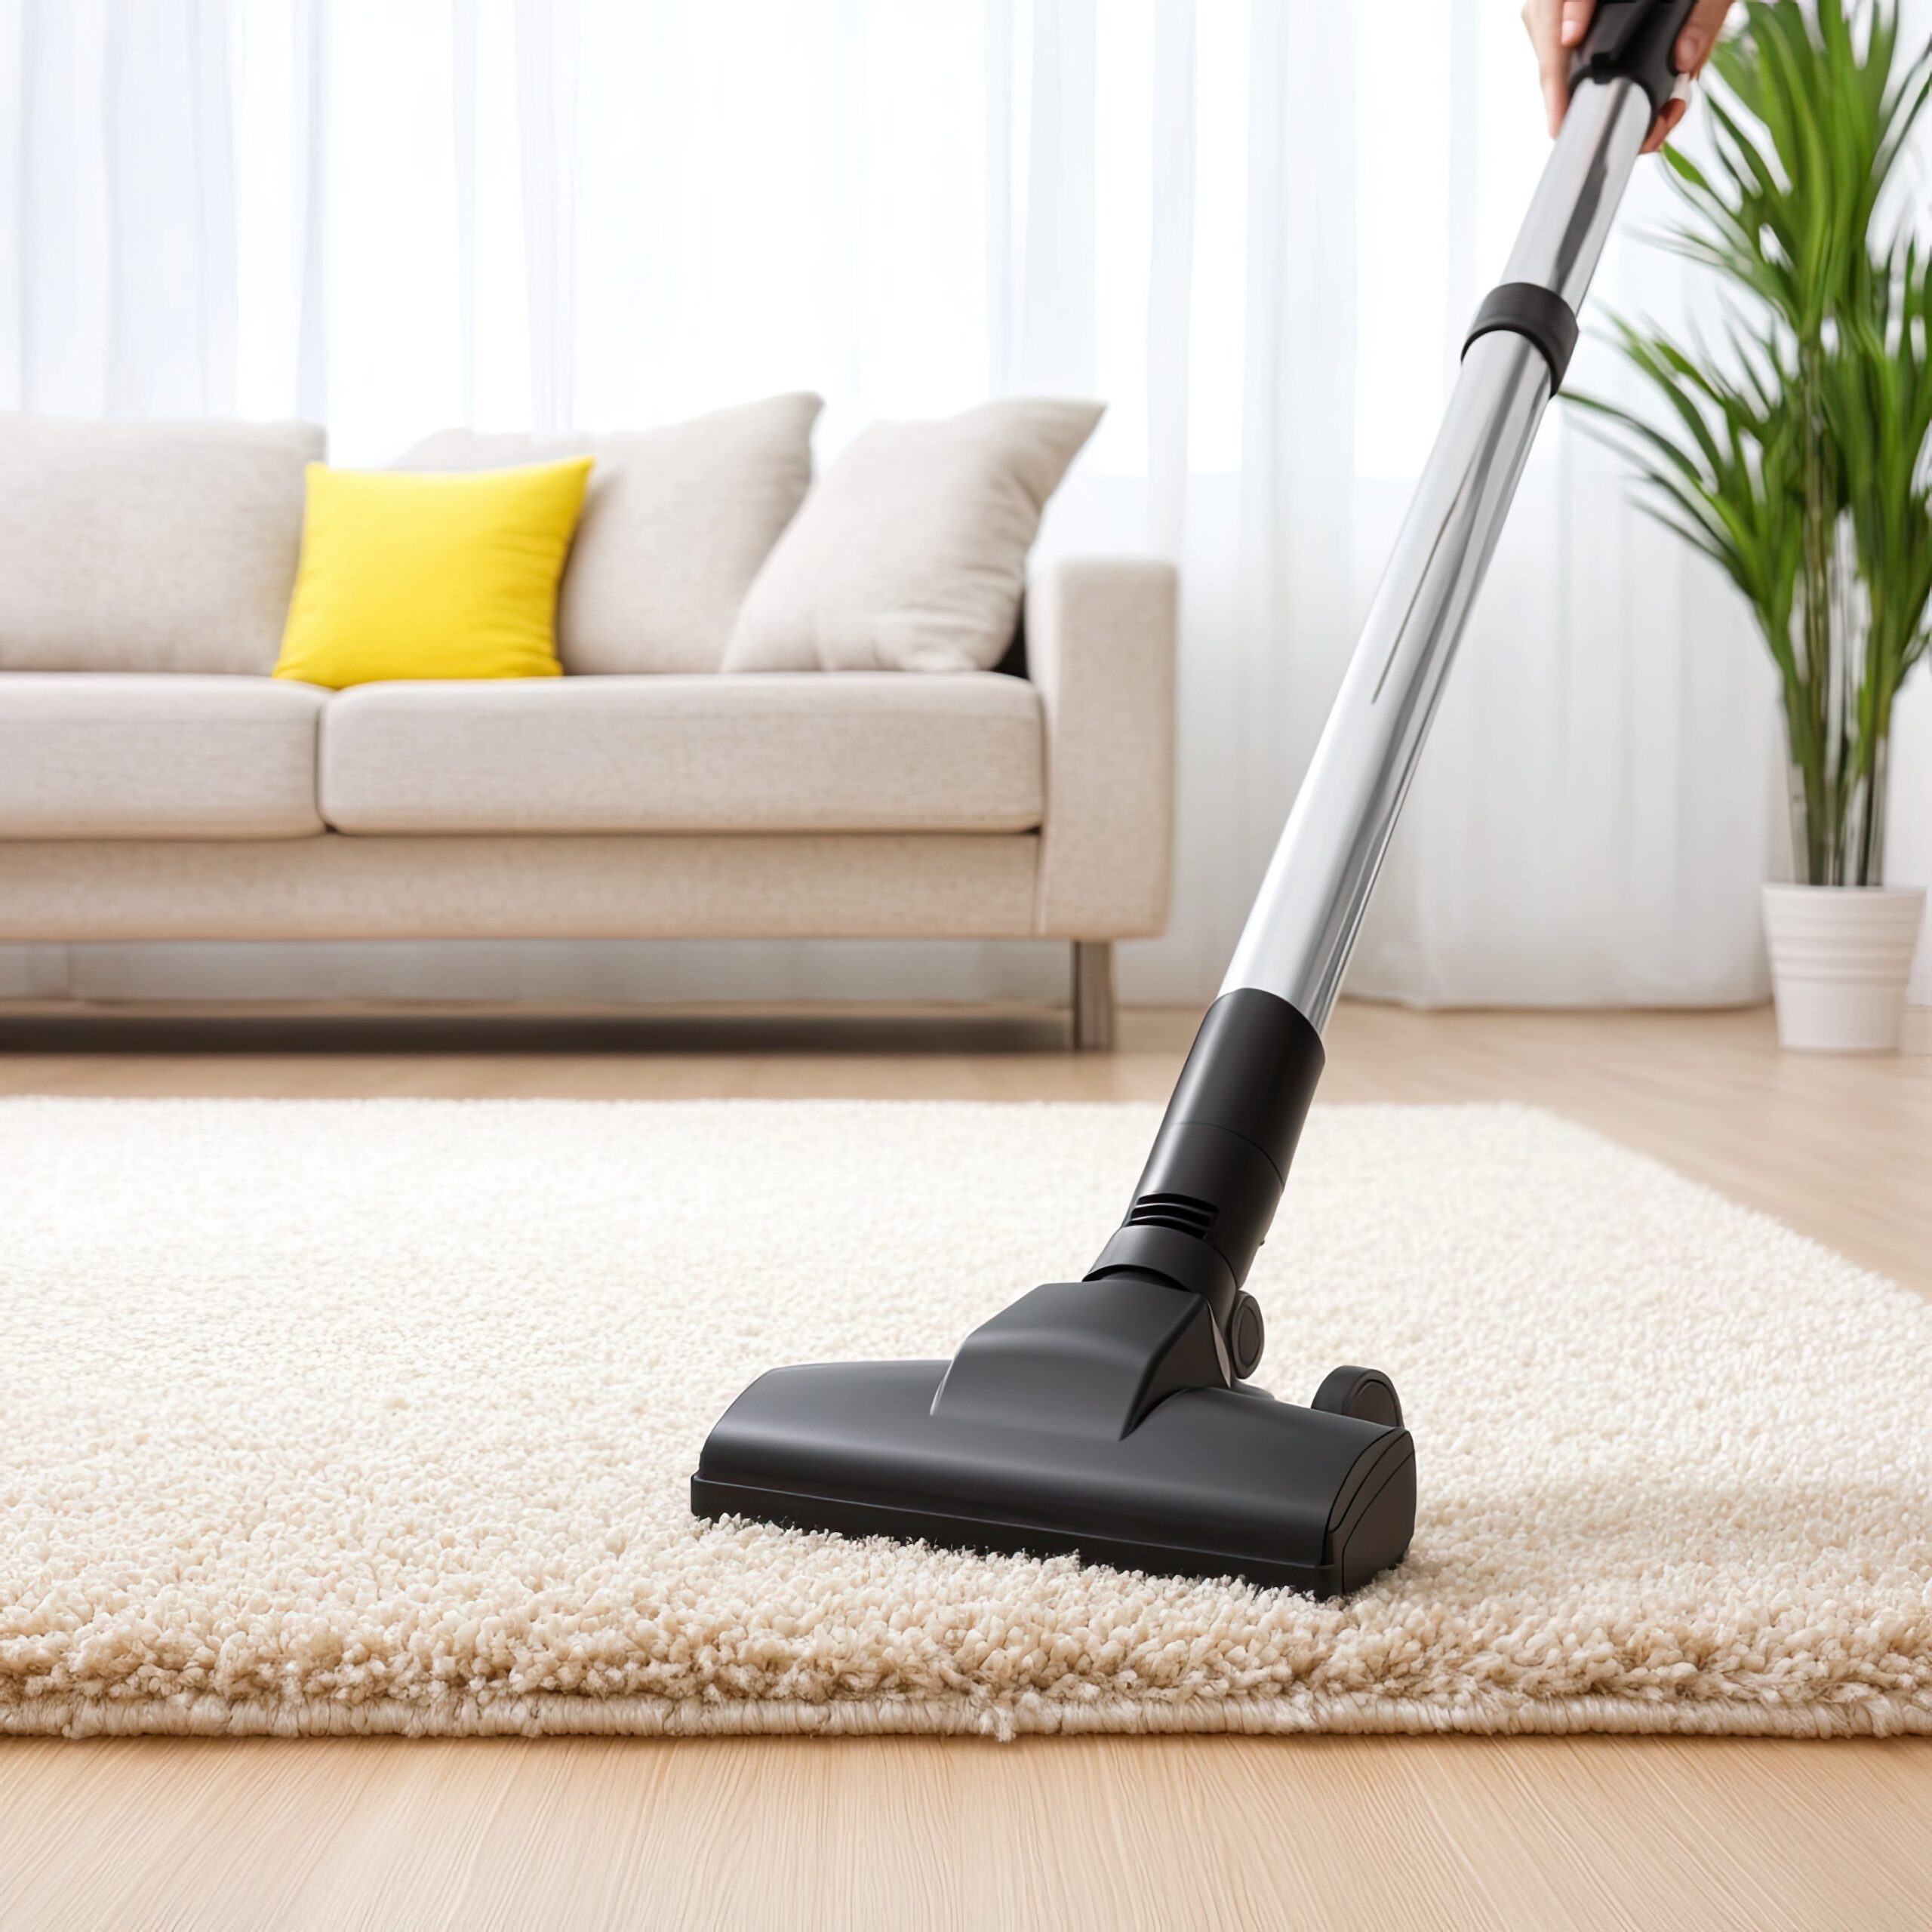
(156, 784)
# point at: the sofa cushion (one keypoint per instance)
(685, 754)
(148, 546)
(108, 755)
(910, 554)
(677, 522)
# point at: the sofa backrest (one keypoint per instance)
(676, 524)
(148, 546)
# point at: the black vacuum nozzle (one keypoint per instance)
(1110, 1417)
(1212, 1482)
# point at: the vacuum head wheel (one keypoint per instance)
(1366, 1392)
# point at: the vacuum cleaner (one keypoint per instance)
(1114, 1417)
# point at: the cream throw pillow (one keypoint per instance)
(677, 522)
(910, 554)
(148, 546)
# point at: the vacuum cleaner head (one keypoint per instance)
(1212, 1481)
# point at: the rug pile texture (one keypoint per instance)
(367, 1416)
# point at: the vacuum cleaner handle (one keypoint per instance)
(1303, 925)
(1208, 1193)
(1634, 40)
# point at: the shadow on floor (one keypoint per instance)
(508, 1030)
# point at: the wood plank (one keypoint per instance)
(1078, 1833)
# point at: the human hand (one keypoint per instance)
(1556, 29)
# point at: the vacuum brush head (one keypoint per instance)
(1084, 1418)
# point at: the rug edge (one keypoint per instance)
(552, 1716)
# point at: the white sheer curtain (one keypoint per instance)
(1257, 226)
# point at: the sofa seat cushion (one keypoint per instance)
(782, 752)
(167, 755)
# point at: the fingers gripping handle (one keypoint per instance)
(1634, 40)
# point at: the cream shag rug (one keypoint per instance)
(378, 1417)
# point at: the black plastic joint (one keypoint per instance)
(1179, 1260)
(1633, 40)
(1527, 309)
(1213, 1182)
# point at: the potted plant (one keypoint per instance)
(1794, 447)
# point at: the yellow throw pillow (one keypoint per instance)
(411, 575)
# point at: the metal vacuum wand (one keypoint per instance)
(1299, 935)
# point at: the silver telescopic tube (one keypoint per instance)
(1298, 937)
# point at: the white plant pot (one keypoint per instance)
(1840, 956)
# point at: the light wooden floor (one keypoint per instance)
(1116, 1833)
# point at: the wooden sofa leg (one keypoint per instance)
(1093, 995)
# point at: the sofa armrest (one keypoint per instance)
(1100, 648)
